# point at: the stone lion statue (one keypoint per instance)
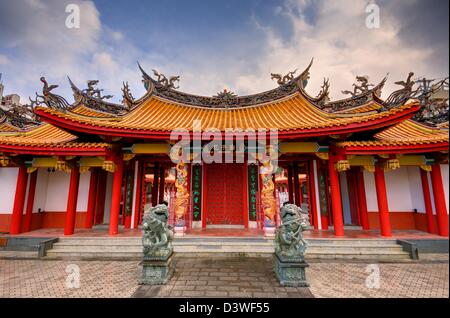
(289, 242)
(157, 239)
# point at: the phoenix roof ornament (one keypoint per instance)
(401, 96)
(50, 99)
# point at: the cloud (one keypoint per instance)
(4, 60)
(342, 47)
(35, 42)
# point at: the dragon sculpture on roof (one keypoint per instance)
(360, 88)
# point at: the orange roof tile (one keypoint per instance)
(291, 113)
(407, 132)
(85, 111)
(46, 136)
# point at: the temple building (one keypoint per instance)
(357, 163)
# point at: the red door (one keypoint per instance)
(224, 198)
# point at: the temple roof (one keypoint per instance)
(51, 122)
(294, 113)
(49, 137)
(405, 134)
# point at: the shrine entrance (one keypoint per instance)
(225, 205)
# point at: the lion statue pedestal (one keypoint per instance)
(290, 246)
(157, 268)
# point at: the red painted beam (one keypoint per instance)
(374, 150)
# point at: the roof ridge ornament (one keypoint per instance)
(281, 80)
(226, 94)
(89, 98)
(167, 83)
(20, 116)
(402, 95)
(94, 92)
(361, 88)
(50, 99)
(433, 100)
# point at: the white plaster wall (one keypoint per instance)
(415, 188)
(109, 184)
(41, 190)
(83, 191)
(445, 181)
(371, 192)
(398, 190)
(57, 191)
(8, 182)
(344, 198)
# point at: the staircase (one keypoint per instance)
(131, 248)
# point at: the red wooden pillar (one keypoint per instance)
(290, 184)
(439, 200)
(72, 201)
(312, 195)
(91, 199)
(138, 190)
(431, 227)
(336, 203)
(383, 208)
(115, 199)
(155, 184)
(19, 201)
(296, 184)
(30, 202)
(162, 172)
(362, 201)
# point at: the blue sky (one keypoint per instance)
(219, 44)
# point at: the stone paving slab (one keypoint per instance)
(224, 277)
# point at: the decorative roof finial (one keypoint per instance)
(361, 88)
(281, 80)
(92, 91)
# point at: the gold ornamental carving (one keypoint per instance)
(268, 203)
(391, 164)
(4, 161)
(342, 165)
(109, 165)
(182, 194)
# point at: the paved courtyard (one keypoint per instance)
(206, 277)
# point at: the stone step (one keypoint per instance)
(19, 254)
(308, 256)
(183, 241)
(131, 248)
(224, 247)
